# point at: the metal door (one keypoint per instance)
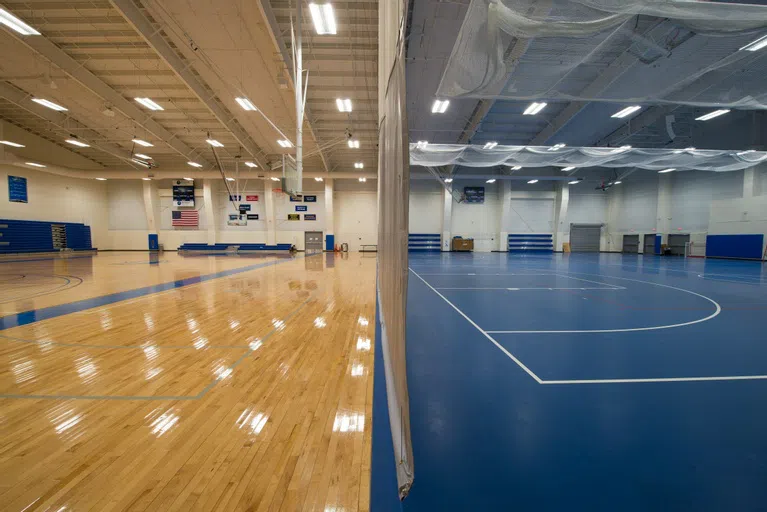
(313, 241)
(677, 243)
(631, 244)
(649, 244)
(585, 237)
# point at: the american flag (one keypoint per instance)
(185, 218)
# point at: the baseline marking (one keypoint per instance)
(485, 334)
(661, 379)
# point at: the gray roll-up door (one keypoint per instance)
(677, 242)
(631, 244)
(585, 237)
(649, 244)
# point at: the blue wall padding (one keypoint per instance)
(735, 246)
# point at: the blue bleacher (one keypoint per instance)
(424, 242)
(528, 242)
(240, 247)
(21, 236)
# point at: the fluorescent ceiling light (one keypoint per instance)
(359, 165)
(448, 180)
(318, 179)
(711, 115)
(285, 143)
(664, 171)
(246, 104)
(568, 168)
(324, 18)
(617, 182)
(11, 21)
(354, 144)
(490, 145)
(344, 105)
(756, 45)
(49, 104)
(557, 147)
(439, 106)
(140, 162)
(194, 164)
(147, 179)
(491, 180)
(575, 182)
(12, 144)
(252, 165)
(148, 103)
(516, 168)
(534, 108)
(77, 143)
(33, 164)
(144, 143)
(142, 155)
(214, 143)
(532, 181)
(363, 180)
(189, 179)
(274, 178)
(626, 111)
(101, 179)
(421, 144)
(230, 179)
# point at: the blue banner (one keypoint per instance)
(235, 198)
(17, 189)
(300, 208)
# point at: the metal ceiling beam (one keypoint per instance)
(23, 100)
(154, 37)
(647, 118)
(75, 69)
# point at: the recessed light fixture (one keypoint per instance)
(285, 143)
(626, 111)
(564, 169)
(439, 106)
(189, 179)
(516, 168)
(617, 182)
(318, 178)
(490, 145)
(421, 144)
(448, 180)
(77, 143)
(711, 115)
(34, 164)
(354, 144)
(194, 164)
(246, 104)
(14, 23)
(252, 165)
(756, 45)
(229, 179)
(147, 179)
(324, 18)
(557, 147)
(12, 144)
(214, 143)
(344, 105)
(534, 108)
(49, 104)
(491, 180)
(140, 162)
(142, 142)
(142, 155)
(101, 179)
(574, 182)
(664, 171)
(275, 178)
(532, 181)
(363, 180)
(359, 165)
(148, 103)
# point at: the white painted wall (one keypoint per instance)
(478, 221)
(356, 213)
(425, 213)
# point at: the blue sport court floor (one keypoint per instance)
(585, 382)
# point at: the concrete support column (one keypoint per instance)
(663, 217)
(209, 207)
(329, 217)
(751, 182)
(447, 219)
(271, 221)
(505, 224)
(561, 225)
(613, 239)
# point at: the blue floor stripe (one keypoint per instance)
(36, 315)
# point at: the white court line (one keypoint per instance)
(661, 379)
(500, 347)
(482, 274)
(754, 282)
(526, 289)
(586, 280)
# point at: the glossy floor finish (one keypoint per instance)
(587, 382)
(186, 383)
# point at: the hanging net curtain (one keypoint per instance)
(638, 51)
(435, 155)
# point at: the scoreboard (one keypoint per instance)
(183, 194)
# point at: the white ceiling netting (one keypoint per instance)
(435, 155)
(660, 51)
